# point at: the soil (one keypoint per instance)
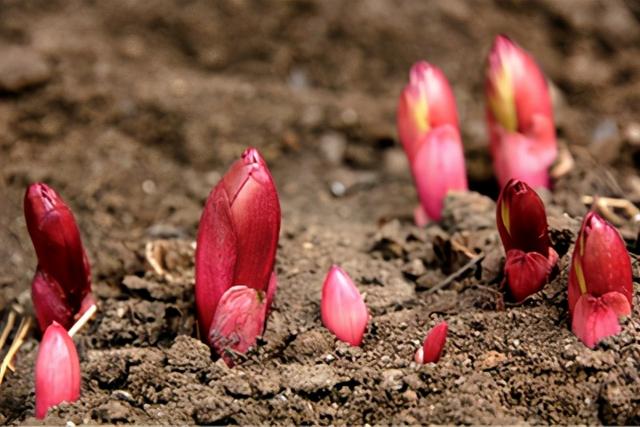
(134, 110)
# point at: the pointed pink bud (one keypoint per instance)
(426, 102)
(57, 373)
(519, 114)
(62, 261)
(238, 321)
(439, 168)
(600, 281)
(342, 308)
(433, 345)
(428, 127)
(237, 236)
(522, 224)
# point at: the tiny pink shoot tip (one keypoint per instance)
(433, 345)
(342, 308)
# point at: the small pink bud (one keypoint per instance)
(238, 321)
(57, 373)
(519, 114)
(342, 308)
(522, 224)
(63, 277)
(427, 122)
(434, 342)
(600, 281)
(237, 236)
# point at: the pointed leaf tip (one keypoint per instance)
(433, 345)
(342, 308)
(238, 321)
(57, 370)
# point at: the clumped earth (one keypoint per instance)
(134, 110)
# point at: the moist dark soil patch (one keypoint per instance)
(134, 110)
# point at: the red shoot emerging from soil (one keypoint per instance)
(57, 373)
(237, 242)
(61, 287)
(342, 308)
(522, 224)
(434, 342)
(519, 115)
(428, 127)
(600, 281)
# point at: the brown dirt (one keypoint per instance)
(133, 110)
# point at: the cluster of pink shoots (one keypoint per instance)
(523, 147)
(519, 119)
(239, 229)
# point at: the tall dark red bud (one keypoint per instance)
(61, 287)
(522, 224)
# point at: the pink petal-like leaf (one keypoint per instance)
(255, 213)
(433, 344)
(597, 318)
(215, 256)
(238, 322)
(438, 168)
(526, 273)
(517, 157)
(342, 308)
(57, 372)
(49, 301)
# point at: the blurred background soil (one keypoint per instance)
(133, 110)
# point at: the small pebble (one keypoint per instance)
(21, 68)
(338, 189)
